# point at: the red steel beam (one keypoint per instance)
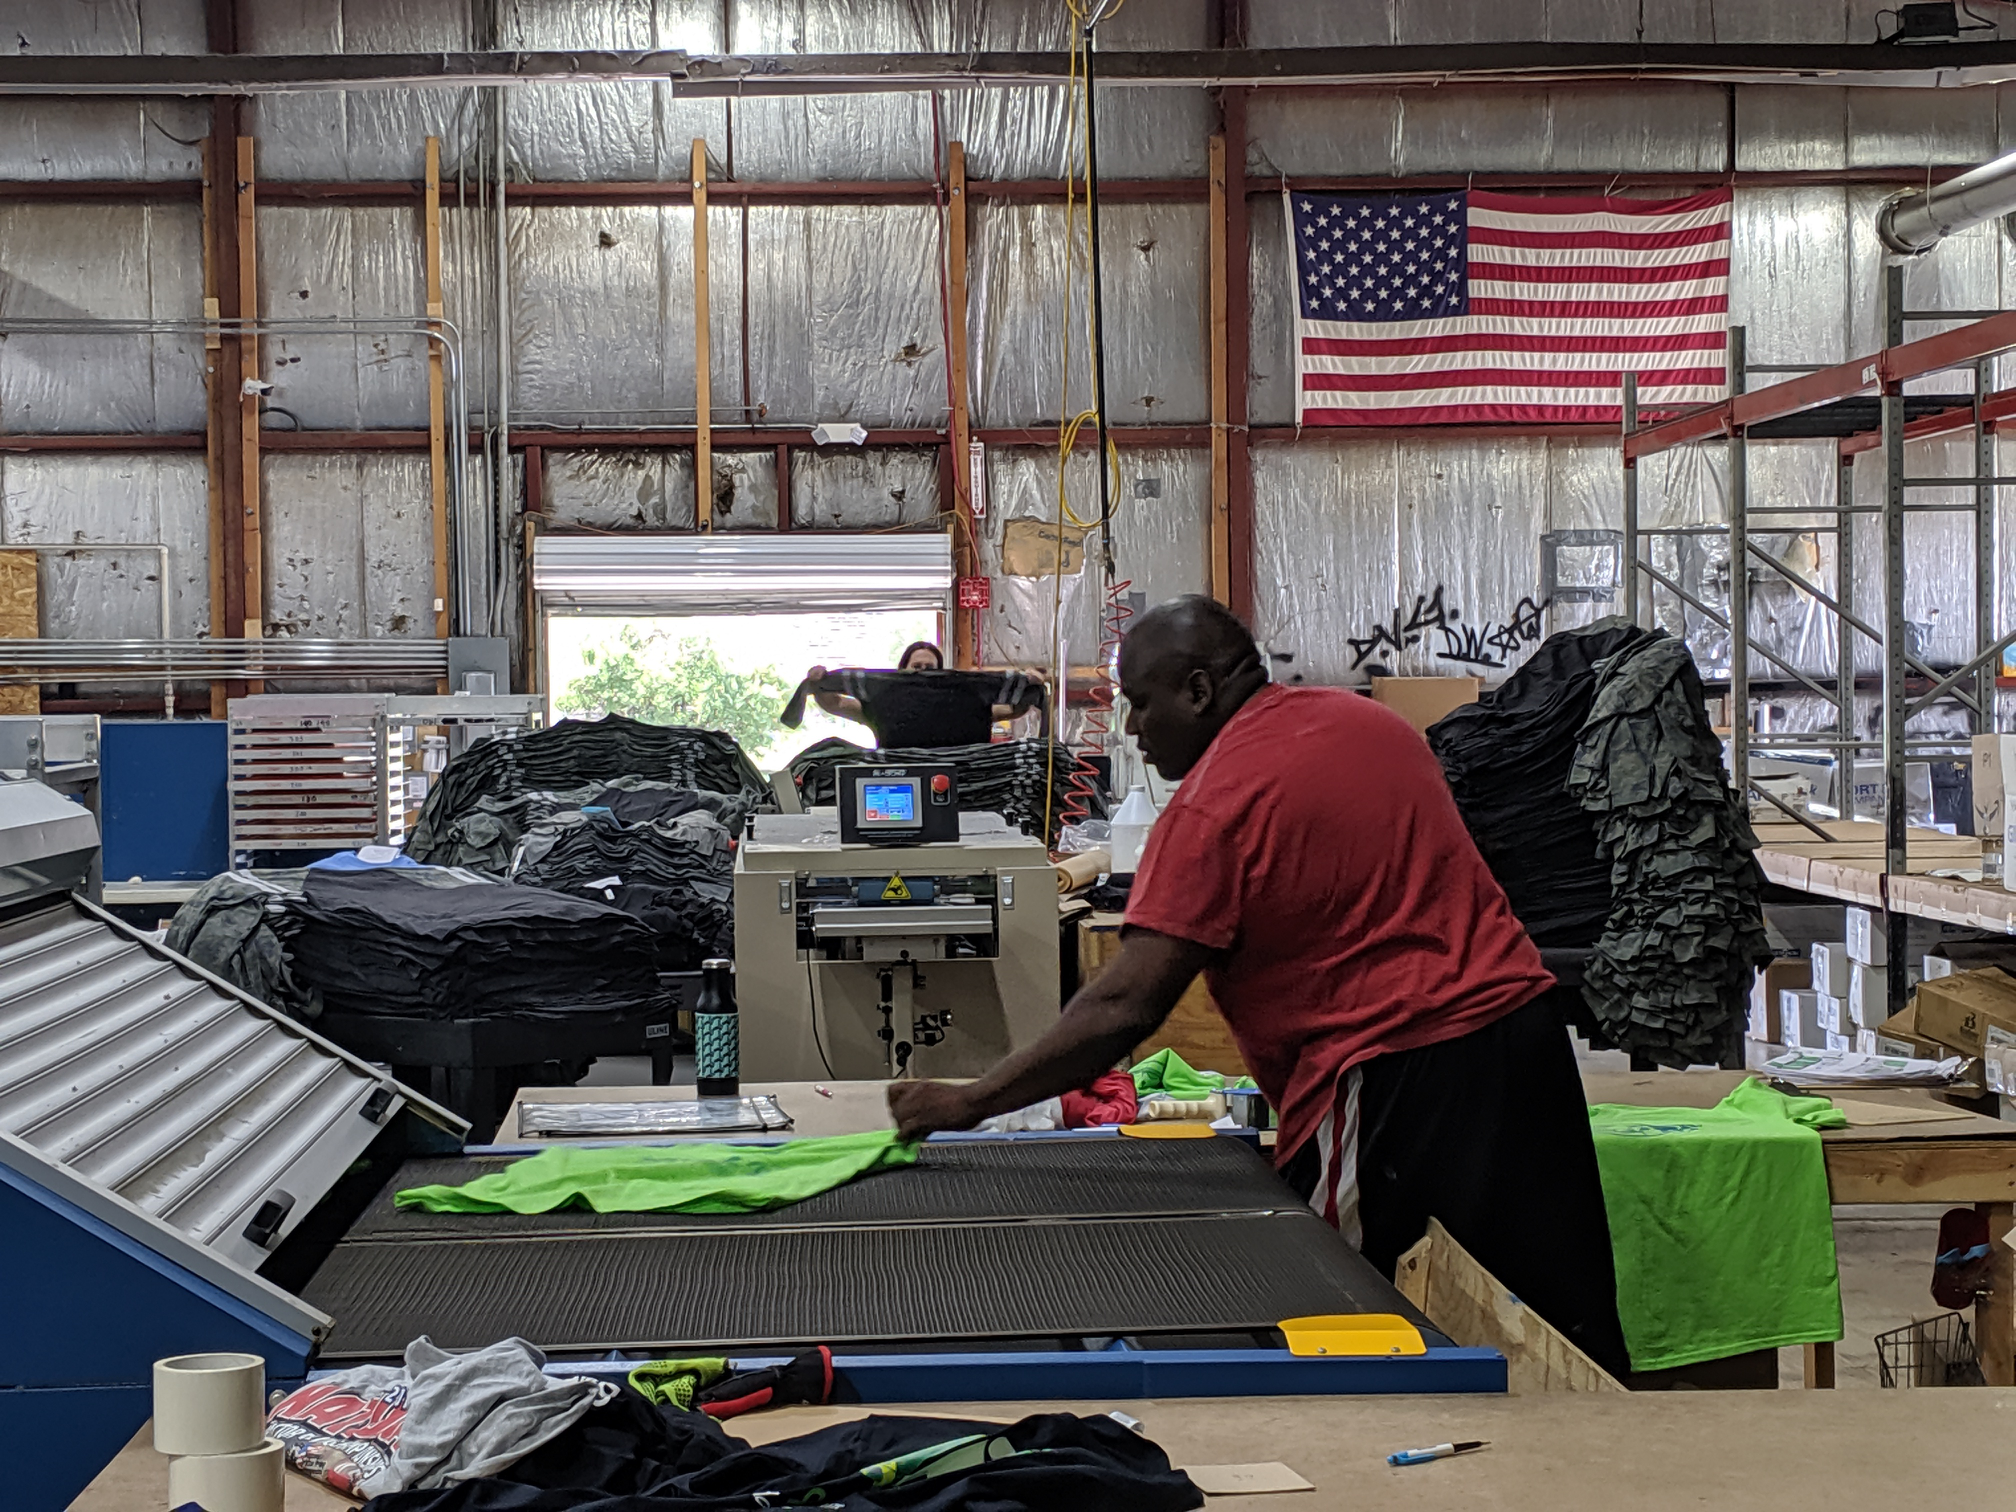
(180, 441)
(34, 191)
(1995, 408)
(1889, 369)
(1087, 439)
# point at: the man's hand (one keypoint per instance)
(925, 1107)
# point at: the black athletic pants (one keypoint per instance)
(1489, 1133)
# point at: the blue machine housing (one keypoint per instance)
(89, 1311)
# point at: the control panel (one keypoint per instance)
(897, 805)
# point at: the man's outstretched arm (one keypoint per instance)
(1107, 1017)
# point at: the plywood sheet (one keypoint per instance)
(20, 619)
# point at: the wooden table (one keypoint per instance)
(1790, 1451)
(1958, 1160)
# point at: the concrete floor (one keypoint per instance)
(1886, 1282)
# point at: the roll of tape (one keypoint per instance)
(209, 1404)
(255, 1481)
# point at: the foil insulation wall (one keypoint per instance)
(843, 314)
(1161, 544)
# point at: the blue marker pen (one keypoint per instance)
(1440, 1451)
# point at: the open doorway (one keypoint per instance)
(721, 672)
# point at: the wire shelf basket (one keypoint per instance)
(1932, 1352)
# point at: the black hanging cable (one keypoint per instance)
(1098, 310)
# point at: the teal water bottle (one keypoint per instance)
(717, 1032)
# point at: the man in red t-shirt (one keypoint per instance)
(1313, 866)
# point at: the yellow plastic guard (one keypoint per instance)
(1353, 1334)
(1169, 1131)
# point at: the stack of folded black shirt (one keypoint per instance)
(485, 836)
(232, 926)
(575, 753)
(1006, 777)
(1507, 758)
(674, 871)
(381, 943)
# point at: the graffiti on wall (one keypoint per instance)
(1447, 636)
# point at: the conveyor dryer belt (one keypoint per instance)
(1047, 1239)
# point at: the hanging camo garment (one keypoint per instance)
(1670, 977)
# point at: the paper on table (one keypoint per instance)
(1816, 1067)
(1245, 1480)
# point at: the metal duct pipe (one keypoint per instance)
(1919, 219)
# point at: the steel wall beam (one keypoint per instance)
(1931, 66)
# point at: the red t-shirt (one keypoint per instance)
(1317, 848)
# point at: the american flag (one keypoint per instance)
(1463, 306)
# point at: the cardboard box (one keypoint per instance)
(1956, 1010)
(1785, 974)
(1866, 1041)
(2006, 768)
(1830, 967)
(1841, 1044)
(1834, 1016)
(1423, 700)
(1868, 941)
(1987, 780)
(1936, 966)
(1868, 994)
(1799, 1020)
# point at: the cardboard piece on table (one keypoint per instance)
(1865, 1115)
(1245, 1480)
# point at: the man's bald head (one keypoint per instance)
(1185, 633)
(1186, 667)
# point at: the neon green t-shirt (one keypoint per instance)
(1721, 1225)
(686, 1178)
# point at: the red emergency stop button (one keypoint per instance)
(941, 783)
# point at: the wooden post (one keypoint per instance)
(703, 378)
(965, 548)
(1995, 1313)
(535, 521)
(1238, 343)
(1221, 450)
(783, 486)
(437, 393)
(248, 404)
(214, 440)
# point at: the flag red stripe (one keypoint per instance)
(1717, 267)
(1474, 414)
(1493, 341)
(1493, 236)
(1569, 204)
(1508, 377)
(1602, 309)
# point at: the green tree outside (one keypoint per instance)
(684, 682)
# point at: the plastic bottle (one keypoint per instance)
(1130, 830)
(717, 1032)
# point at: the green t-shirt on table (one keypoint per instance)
(1721, 1225)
